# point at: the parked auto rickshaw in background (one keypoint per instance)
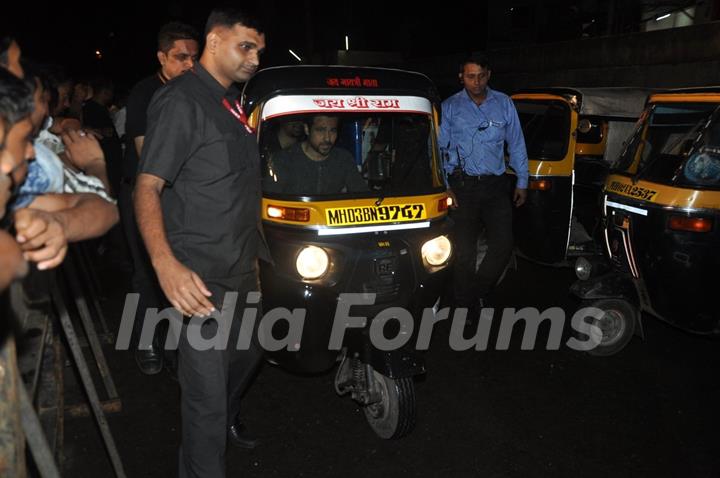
(661, 214)
(571, 136)
(383, 229)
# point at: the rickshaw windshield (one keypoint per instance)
(546, 127)
(702, 167)
(332, 155)
(673, 144)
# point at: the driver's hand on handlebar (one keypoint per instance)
(184, 288)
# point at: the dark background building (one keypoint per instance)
(531, 41)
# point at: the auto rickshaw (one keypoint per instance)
(571, 135)
(388, 238)
(661, 215)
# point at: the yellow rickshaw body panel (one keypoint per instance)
(563, 167)
(662, 195)
(685, 98)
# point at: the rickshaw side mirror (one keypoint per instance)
(378, 166)
(584, 126)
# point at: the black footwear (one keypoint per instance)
(239, 436)
(473, 314)
(150, 360)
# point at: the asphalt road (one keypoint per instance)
(650, 411)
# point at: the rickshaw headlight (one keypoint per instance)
(583, 268)
(436, 252)
(312, 262)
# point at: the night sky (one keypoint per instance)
(68, 34)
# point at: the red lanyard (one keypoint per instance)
(238, 113)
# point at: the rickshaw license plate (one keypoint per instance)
(629, 190)
(352, 216)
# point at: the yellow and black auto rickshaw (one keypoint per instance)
(386, 235)
(571, 135)
(661, 211)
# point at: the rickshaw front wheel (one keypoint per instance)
(617, 325)
(393, 416)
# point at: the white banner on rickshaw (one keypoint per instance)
(295, 104)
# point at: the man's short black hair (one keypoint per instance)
(309, 119)
(57, 76)
(476, 59)
(5, 43)
(101, 83)
(229, 17)
(16, 99)
(170, 32)
(36, 72)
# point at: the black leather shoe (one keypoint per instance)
(149, 360)
(239, 436)
(473, 314)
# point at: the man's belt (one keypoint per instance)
(463, 178)
(481, 177)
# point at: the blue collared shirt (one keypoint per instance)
(473, 137)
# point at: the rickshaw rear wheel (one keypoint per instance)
(617, 325)
(393, 416)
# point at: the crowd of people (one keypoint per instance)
(54, 191)
(55, 184)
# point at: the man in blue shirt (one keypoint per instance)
(477, 123)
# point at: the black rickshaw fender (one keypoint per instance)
(395, 364)
(402, 362)
(608, 286)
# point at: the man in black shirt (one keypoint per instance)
(287, 133)
(197, 200)
(177, 52)
(315, 166)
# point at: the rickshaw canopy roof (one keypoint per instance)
(336, 80)
(616, 102)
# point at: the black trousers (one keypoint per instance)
(483, 202)
(212, 381)
(143, 280)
